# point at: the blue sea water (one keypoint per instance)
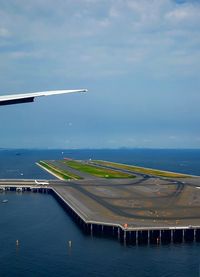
(21, 163)
(44, 229)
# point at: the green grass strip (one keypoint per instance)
(61, 173)
(97, 171)
(143, 170)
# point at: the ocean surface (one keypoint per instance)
(43, 229)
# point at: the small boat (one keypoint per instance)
(4, 201)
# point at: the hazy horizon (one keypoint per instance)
(119, 148)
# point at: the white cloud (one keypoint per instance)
(124, 36)
(4, 32)
(25, 54)
(185, 14)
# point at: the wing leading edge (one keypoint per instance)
(29, 97)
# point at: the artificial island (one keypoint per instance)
(131, 203)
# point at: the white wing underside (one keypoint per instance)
(29, 97)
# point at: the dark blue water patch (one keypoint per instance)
(21, 163)
(44, 229)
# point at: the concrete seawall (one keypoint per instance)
(137, 236)
(124, 233)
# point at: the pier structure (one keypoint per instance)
(140, 209)
(131, 235)
(22, 186)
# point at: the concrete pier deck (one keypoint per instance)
(142, 204)
(133, 204)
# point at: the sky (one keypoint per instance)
(139, 59)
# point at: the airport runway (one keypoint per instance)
(141, 202)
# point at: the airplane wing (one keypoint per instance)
(29, 97)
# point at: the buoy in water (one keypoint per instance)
(70, 243)
(17, 242)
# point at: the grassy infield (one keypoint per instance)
(57, 171)
(86, 168)
(143, 170)
(105, 172)
(97, 171)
